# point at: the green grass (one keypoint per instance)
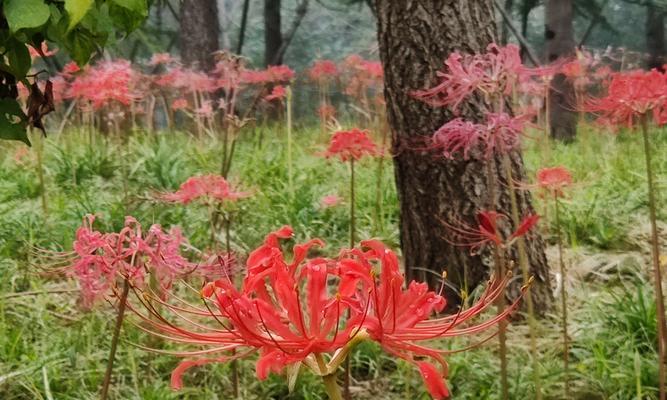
(46, 341)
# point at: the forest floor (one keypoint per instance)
(51, 349)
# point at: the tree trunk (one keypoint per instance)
(559, 35)
(199, 33)
(273, 36)
(505, 32)
(242, 29)
(415, 37)
(655, 37)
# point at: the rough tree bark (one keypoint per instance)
(273, 35)
(504, 30)
(415, 37)
(559, 36)
(199, 33)
(655, 36)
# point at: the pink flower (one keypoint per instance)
(70, 68)
(331, 200)
(205, 110)
(554, 180)
(501, 133)
(278, 93)
(106, 83)
(206, 187)
(44, 49)
(351, 145)
(494, 73)
(179, 104)
(160, 58)
(323, 70)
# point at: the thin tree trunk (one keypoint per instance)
(415, 36)
(655, 37)
(199, 33)
(242, 29)
(273, 36)
(559, 35)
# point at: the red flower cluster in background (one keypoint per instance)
(206, 188)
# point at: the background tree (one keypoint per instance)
(560, 45)
(655, 34)
(276, 43)
(199, 33)
(415, 37)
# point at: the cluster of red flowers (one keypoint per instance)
(630, 95)
(99, 259)
(299, 311)
(206, 188)
(553, 180)
(352, 144)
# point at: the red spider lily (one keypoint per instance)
(501, 133)
(160, 59)
(70, 68)
(42, 52)
(495, 72)
(554, 180)
(274, 74)
(331, 200)
(294, 313)
(323, 70)
(207, 187)
(105, 83)
(99, 259)
(326, 112)
(278, 93)
(351, 145)
(488, 231)
(179, 104)
(631, 95)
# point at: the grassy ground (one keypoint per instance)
(50, 349)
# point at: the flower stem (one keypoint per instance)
(346, 380)
(290, 183)
(330, 384)
(40, 173)
(114, 340)
(563, 296)
(500, 272)
(655, 252)
(523, 263)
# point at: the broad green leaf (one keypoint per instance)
(18, 58)
(137, 6)
(13, 124)
(81, 47)
(25, 13)
(76, 9)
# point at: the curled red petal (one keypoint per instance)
(435, 382)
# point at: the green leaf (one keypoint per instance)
(76, 9)
(13, 125)
(137, 6)
(18, 57)
(25, 13)
(81, 47)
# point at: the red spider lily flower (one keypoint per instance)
(631, 95)
(206, 109)
(294, 312)
(323, 70)
(105, 83)
(70, 68)
(278, 93)
(274, 74)
(160, 59)
(331, 200)
(488, 231)
(495, 72)
(179, 104)
(501, 133)
(99, 259)
(554, 180)
(42, 52)
(206, 187)
(326, 112)
(351, 145)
